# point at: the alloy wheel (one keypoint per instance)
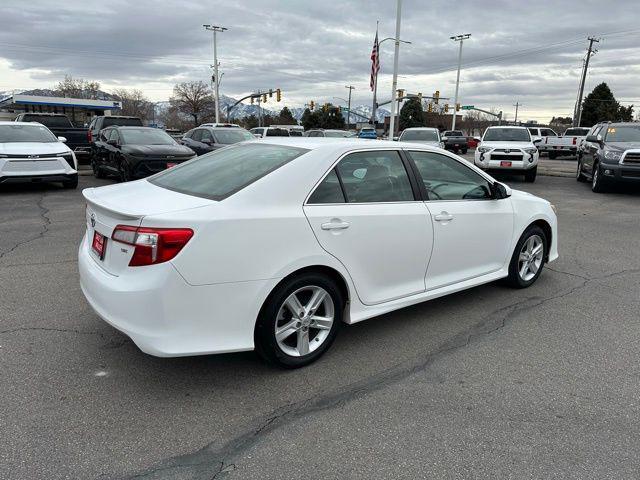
(304, 321)
(530, 259)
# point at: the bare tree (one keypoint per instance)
(193, 99)
(78, 88)
(134, 103)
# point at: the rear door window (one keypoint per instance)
(374, 176)
(329, 190)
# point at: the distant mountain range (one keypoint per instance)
(240, 111)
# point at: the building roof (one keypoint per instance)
(14, 101)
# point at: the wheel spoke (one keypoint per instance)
(303, 342)
(316, 299)
(322, 323)
(523, 257)
(294, 306)
(537, 250)
(286, 330)
(523, 270)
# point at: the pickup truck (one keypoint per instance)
(61, 126)
(566, 144)
(455, 141)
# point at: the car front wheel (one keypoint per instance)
(299, 320)
(528, 258)
(579, 173)
(530, 175)
(598, 183)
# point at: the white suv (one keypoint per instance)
(29, 152)
(508, 149)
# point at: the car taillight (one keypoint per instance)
(152, 245)
(574, 140)
(89, 136)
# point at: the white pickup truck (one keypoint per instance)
(566, 144)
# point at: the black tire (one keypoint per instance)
(579, 173)
(464, 151)
(514, 279)
(265, 332)
(599, 184)
(552, 155)
(72, 182)
(97, 171)
(124, 171)
(530, 175)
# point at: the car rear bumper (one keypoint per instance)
(167, 317)
(141, 168)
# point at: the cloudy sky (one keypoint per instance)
(530, 52)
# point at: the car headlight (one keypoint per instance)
(441, 144)
(483, 149)
(553, 207)
(612, 155)
(68, 156)
(531, 150)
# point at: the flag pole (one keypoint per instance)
(375, 84)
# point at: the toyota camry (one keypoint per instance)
(272, 245)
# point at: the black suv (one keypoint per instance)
(610, 153)
(206, 139)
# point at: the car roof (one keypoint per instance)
(510, 126)
(425, 128)
(30, 124)
(315, 143)
(127, 127)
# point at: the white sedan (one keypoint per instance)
(30, 152)
(272, 245)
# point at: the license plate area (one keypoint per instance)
(504, 163)
(99, 244)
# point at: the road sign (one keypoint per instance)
(467, 107)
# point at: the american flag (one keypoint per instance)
(375, 62)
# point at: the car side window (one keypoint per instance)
(374, 176)
(206, 135)
(329, 190)
(104, 135)
(188, 134)
(114, 136)
(197, 135)
(447, 179)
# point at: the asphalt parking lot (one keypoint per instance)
(487, 383)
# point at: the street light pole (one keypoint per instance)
(215, 29)
(394, 86)
(461, 39)
(350, 87)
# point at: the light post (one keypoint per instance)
(375, 83)
(461, 39)
(215, 29)
(350, 87)
(394, 83)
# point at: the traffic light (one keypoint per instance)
(436, 96)
(312, 104)
(446, 108)
(325, 107)
(264, 98)
(278, 95)
(457, 107)
(429, 107)
(420, 97)
(270, 93)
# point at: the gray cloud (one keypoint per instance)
(313, 49)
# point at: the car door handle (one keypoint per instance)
(335, 225)
(443, 217)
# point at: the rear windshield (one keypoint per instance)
(277, 132)
(26, 133)
(453, 133)
(232, 136)
(146, 136)
(224, 172)
(49, 121)
(578, 132)
(506, 135)
(336, 134)
(122, 122)
(420, 135)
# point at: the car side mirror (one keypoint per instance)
(501, 191)
(395, 139)
(594, 138)
(206, 141)
(112, 142)
(537, 140)
(62, 139)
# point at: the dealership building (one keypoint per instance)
(79, 110)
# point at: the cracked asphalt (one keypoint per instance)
(487, 383)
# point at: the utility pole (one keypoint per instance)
(350, 87)
(590, 51)
(517, 104)
(215, 29)
(461, 39)
(394, 86)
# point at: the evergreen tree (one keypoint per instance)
(286, 117)
(411, 114)
(601, 106)
(309, 119)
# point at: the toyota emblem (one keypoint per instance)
(93, 220)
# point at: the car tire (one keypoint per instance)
(288, 348)
(124, 171)
(579, 174)
(519, 276)
(464, 151)
(530, 175)
(552, 155)
(598, 183)
(97, 171)
(71, 183)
